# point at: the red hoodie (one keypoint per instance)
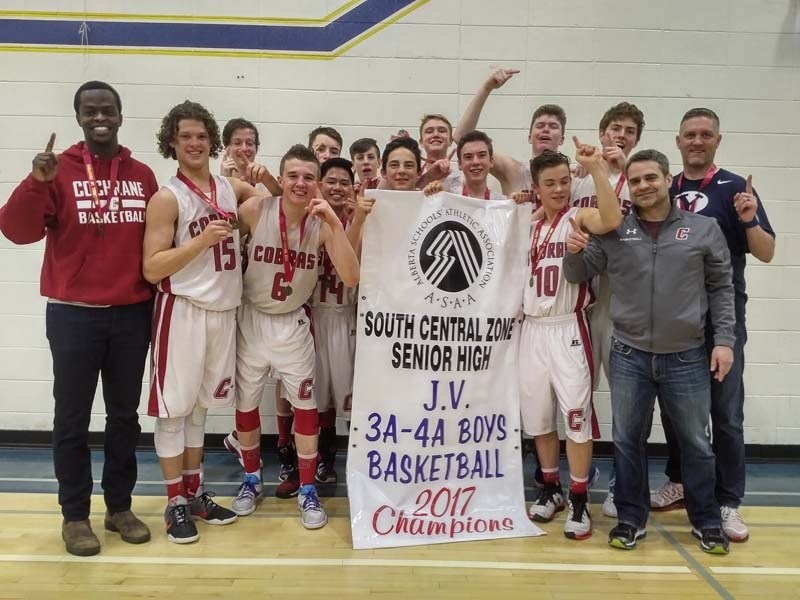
(82, 263)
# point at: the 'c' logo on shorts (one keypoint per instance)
(306, 387)
(575, 419)
(224, 387)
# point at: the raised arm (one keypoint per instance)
(760, 241)
(336, 243)
(607, 216)
(469, 118)
(31, 206)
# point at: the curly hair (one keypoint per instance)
(187, 110)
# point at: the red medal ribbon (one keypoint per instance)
(536, 249)
(620, 184)
(288, 267)
(99, 209)
(686, 205)
(706, 180)
(465, 192)
(212, 201)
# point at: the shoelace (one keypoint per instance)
(731, 514)
(311, 502)
(248, 489)
(206, 500)
(179, 514)
(578, 509)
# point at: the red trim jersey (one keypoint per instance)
(548, 293)
(213, 279)
(265, 281)
(584, 193)
(331, 291)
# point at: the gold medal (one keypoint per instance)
(530, 283)
(234, 222)
(288, 290)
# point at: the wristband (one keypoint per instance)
(751, 224)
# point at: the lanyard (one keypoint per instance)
(685, 204)
(706, 180)
(212, 201)
(99, 209)
(536, 249)
(465, 192)
(620, 184)
(288, 267)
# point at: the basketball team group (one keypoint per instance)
(229, 281)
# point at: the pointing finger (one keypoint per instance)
(577, 142)
(451, 153)
(51, 143)
(748, 188)
(574, 225)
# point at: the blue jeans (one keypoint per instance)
(86, 342)
(727, 423)
(681, 381)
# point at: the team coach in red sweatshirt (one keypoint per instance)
(89, 203)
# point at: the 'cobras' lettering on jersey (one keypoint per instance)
(584, 194)
(547, 293)
(265, 285)
(213, 279)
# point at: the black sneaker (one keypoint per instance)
(712, 540)
(326, 471)
(289, 487)
(208, 511)
(287, 456)
(625, 536)
(180, 527)
(549, 502)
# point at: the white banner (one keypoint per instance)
(434, 452)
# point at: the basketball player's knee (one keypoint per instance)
(168, 437)
(195, 427)
(247, 421)
(306, 421)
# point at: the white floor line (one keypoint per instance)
(760, 571)
(235, 483)
(344, 562)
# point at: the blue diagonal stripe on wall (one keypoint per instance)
(223, 36)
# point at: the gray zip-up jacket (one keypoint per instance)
(661, 288)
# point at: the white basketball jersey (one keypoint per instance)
(584, 193)
(548, 293)
(213, 279)
(331, 291)
(524, 181)
(459, 188)
(265, 283)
